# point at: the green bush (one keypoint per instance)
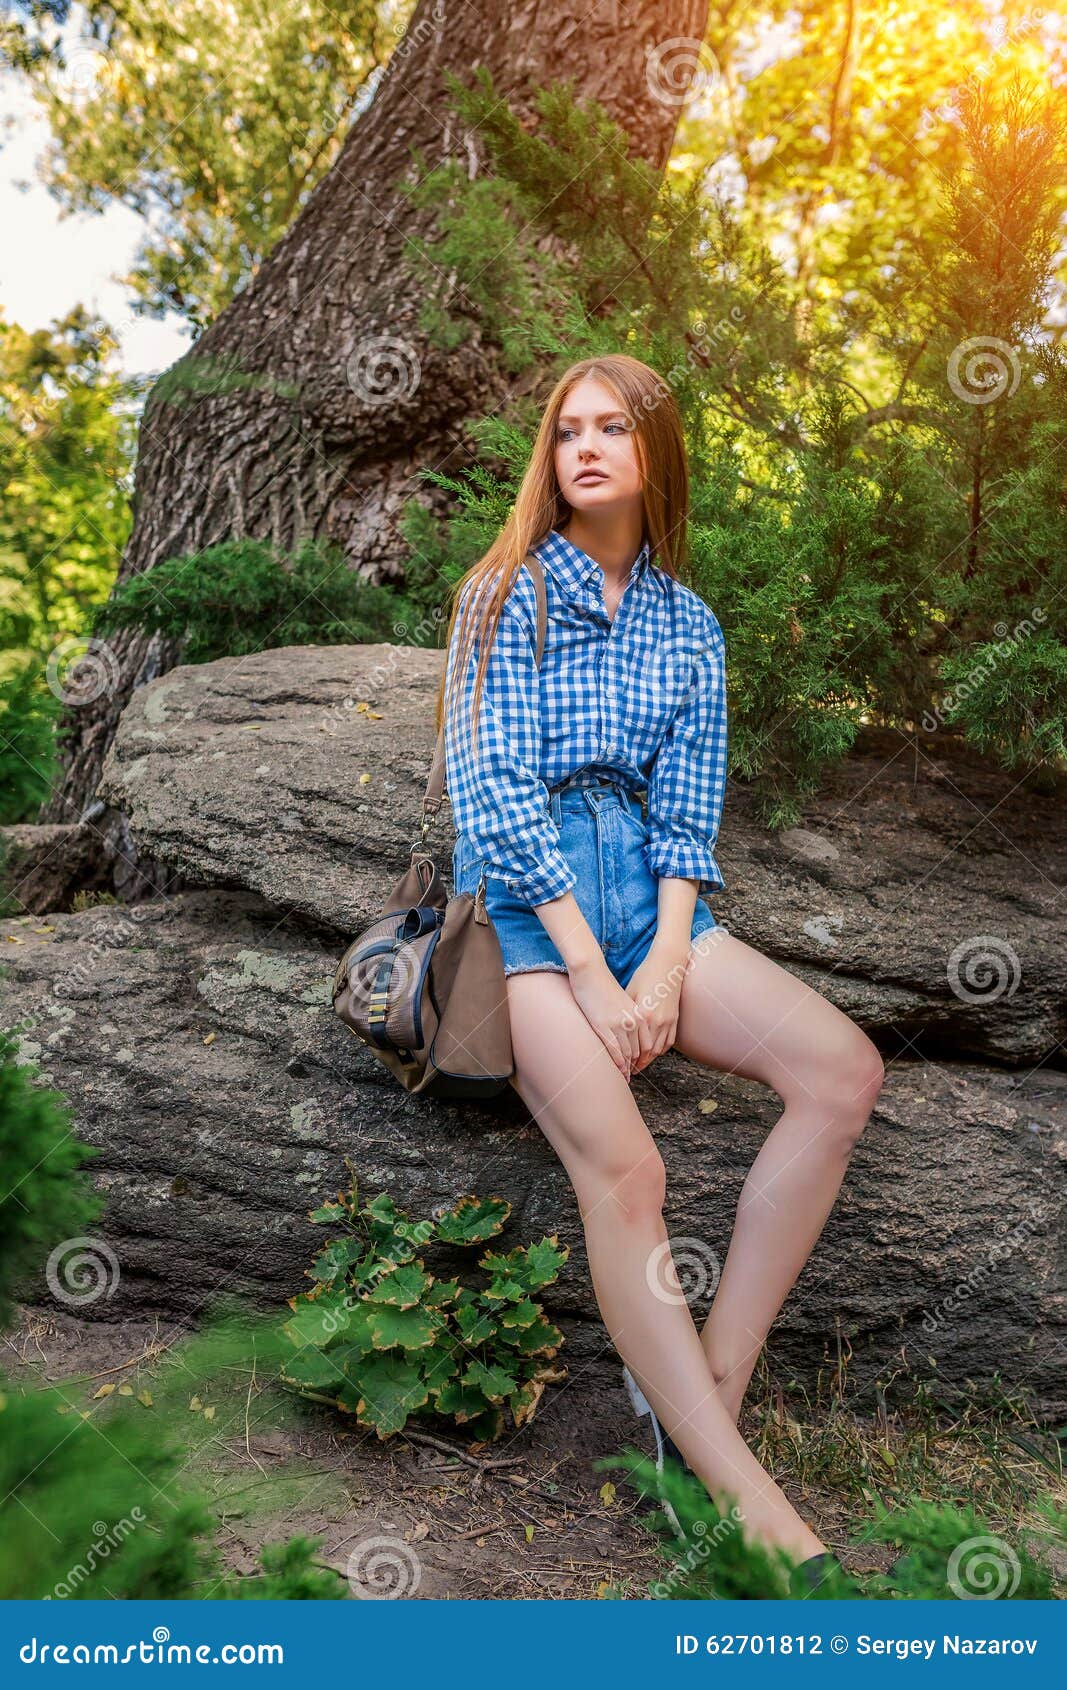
(44, 1195)
(949, 1553)
(92, 1500)
(28, 713)
(384, 1340)
(242, 596)
(868, 505)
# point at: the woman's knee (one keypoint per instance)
(631, 1180)
(844, 1078)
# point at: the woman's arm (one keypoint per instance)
(685, 794)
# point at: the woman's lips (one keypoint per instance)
(591, 475)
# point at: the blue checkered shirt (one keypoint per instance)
(640, 700)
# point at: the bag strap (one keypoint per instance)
(431, 803)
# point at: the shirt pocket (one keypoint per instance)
(664, 684)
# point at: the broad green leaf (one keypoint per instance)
(473, 1219)
(520, 1314)
(386, 1391)
(407, 1329)
(330, 1212)
(319, 1319)
(442, 1292)
(542, 1338)
(383, 1210)
(336, 1259)
(461, 1401)
(495, 1383)
(475, 1325)
(543, 1263)
(506, 1290)
(438, 1366)
(316, 1370)
(402, 1288)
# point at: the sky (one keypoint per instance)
(49, 263)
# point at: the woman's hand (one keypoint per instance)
(656, 988)
(611, 1012)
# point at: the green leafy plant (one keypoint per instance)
(949, 1553)
(94, 1497)
(243, 596)
(383, 1339)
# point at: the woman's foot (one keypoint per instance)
(808, 1575)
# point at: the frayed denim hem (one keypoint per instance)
(538, 968)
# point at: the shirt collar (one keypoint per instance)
(572, 567)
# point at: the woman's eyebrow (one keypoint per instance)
(603, 417)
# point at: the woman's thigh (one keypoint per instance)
(742, 1013)
(576, 1094)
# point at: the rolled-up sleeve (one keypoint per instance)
(688, 778)
(497, 795)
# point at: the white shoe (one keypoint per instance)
(664, 1444)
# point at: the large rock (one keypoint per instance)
(193, 1033)
(923, 892)
(194, 1039)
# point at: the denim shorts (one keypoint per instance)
(603, 835)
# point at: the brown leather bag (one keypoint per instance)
(423, 986)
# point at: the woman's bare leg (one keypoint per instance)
(742, 1013)
(587, 1111)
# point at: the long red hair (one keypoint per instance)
(659, 444)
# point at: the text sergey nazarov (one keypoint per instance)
(769, 1643)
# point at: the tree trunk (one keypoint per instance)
(297, 444)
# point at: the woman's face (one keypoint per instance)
(594, 435)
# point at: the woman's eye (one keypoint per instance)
(562, 432)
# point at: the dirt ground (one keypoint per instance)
(526, 1518)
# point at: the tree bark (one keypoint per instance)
(295, 444)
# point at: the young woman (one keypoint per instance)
(610, 955)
